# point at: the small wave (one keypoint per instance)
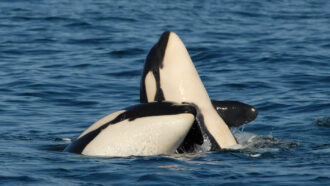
(256, 145)
(79, 24)
(323, 122)
(252, 144)
(63, 139)
(89, 41)
(205, 147)
(126, 52)
(8, 179)
(57, 147)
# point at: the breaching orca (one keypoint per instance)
(141, 130)
(170, 75)
(175, 115)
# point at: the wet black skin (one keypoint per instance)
(234, 113)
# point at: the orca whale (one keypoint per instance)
(170, 75)
(175, 113)
(141, 130)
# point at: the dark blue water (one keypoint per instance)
(65, 64)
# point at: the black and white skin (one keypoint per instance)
(174, 116)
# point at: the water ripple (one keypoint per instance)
(65, 64)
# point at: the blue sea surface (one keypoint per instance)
(65, 64)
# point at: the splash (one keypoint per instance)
(323, 122)
(205, 147)
(256, 145)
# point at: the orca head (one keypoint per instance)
(235, 113)
(169, 74)
(144, 129)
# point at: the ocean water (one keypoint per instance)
(65, 64)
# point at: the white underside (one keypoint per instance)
(180, 82)
(151, 89)
(145, 136)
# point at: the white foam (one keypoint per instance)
(66, 139)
